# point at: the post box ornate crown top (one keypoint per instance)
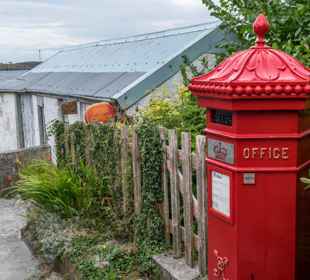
(256, 72)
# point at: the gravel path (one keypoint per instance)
(16, 261)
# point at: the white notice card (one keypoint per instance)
(221, 193)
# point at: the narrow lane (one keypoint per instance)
(16, 261)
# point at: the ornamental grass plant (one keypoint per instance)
(64, 191)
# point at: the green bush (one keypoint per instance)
(289, 24)
(60, 191)
(183, 114)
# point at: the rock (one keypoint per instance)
(175, 269)
(54, 276)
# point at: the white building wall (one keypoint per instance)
(52, 111)
(8, 122)
(36, 132)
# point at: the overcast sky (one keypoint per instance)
(29, 25)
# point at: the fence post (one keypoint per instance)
(165, 188)
(175, 195)
(66, 139)
(88, 145)
(72, 148)
(202, 203)
(136, 168)
(188, 197)
(124, 167)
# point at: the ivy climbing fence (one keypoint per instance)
(183, 206)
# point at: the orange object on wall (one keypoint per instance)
(100, 112)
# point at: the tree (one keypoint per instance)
(289, 22)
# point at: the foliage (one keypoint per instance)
(162, 112)
(182, 115)
(91, 253)
(78, 133)
(98, 259)
(289, 20)
(55, 190)
(105, 155)
(189, 70)
(63, 191)
(193, 116)
(105, 149)
(57, 129)
(79, 252)
(149, 224)
(306, 181)
(49, 234)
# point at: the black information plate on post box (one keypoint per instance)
(221, 117)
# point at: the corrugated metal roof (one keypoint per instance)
(101, 85)
(11, 74)
(106, 69)
(97, 85)
(133, 54)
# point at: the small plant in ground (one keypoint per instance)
(55, 190)
(65, 191)
(99, 260)
(92, 254)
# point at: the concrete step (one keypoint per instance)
(176, 269)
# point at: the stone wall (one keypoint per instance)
(12, 161)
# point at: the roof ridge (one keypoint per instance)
(146, 36)
(184, 28)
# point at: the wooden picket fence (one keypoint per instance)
(184, 207)
(181, 209)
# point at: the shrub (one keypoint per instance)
(60, 191)
(182, 114)
(289, 29)
(162, 112)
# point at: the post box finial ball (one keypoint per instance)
(261, 27)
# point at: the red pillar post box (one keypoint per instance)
(258, 131)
